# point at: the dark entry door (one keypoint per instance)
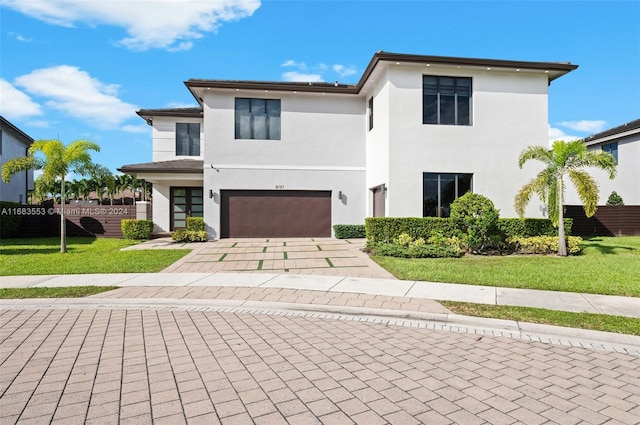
(185, 202)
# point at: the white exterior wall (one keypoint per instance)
(627, 180)
(509, 113)
(321, 148)
(164, 138)
(378, 143)
(16, 189)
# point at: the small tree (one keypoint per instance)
(563, 159)
(477, 217)
(615, 199)
(59, 160)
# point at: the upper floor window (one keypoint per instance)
(446, 100)
(612, 148)
(258, 119)
(187, 139)
(371, 113)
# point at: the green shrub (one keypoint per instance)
(195, 223)
(9, 223)
(349, 231)
(438, 238)
(184, 235)
(414, 251)
(385, 229)
(615, 199)
(477, 220)
(543, 244)
(530, 227)
(136, 229)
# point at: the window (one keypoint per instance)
(187, 139)
(440, 190)
(611, 148)
(371, 113)
(446, 100)
(185, 202)
(258, 119)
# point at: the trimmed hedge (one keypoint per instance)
(530, 227)
(184, 235)
(195, 224)
(136, 229)
(544, 244)
(414, 251)
(349, 231)
(9, 223)
(385, 229)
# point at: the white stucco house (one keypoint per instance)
(623, 142)
(14, 143)
(270, 159)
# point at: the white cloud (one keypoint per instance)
(299, 76)
(344, 71)
(182, 105)
(76, 93)
(314, 73)
(167, 24)
(139, 129)
(557, 134)
(15, 103)
(586, 126)
(20, 37)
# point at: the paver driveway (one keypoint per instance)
(144, 366)
(310, 256)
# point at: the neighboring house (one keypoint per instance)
(14, 143)
(623, 142)
(271, 159)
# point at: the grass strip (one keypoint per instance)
(319, 247)
(39, 256)
(284, 244)
(591, 321)
(286, 255)
(264, 249)
(54, 292)
(329, 262)
(234, 245)
(222, 258)
(260, 264)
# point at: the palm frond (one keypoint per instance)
(587, 189)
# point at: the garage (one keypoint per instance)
(275, 213)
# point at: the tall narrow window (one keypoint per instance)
(187, 139)
(185, 202)
(439, 190)
(257, 119)
(446, 100)
(371, 113)
(611, 148)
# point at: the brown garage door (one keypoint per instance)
(268, 213)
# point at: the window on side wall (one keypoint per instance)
(446, 100)
(187, 139)
(611, 148)
(257, 119)
(439, 190)
(371, 113)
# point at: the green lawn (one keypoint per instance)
(607, 265)
(596, 322)
(37, 256)
(66, 292)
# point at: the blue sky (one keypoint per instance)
(78, 69)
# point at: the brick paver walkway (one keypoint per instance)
(107, 366)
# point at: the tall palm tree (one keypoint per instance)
(563, 159)
(59, 160)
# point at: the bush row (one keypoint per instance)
(185, 235)
(385, 229)
(349, 231)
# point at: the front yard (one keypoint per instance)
(607, 265)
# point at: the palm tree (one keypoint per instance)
(59, 160)
(564, 158)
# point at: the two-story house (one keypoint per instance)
(14, 143)
(270, 159)
(623, 142)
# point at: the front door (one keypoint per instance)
(185, 202)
